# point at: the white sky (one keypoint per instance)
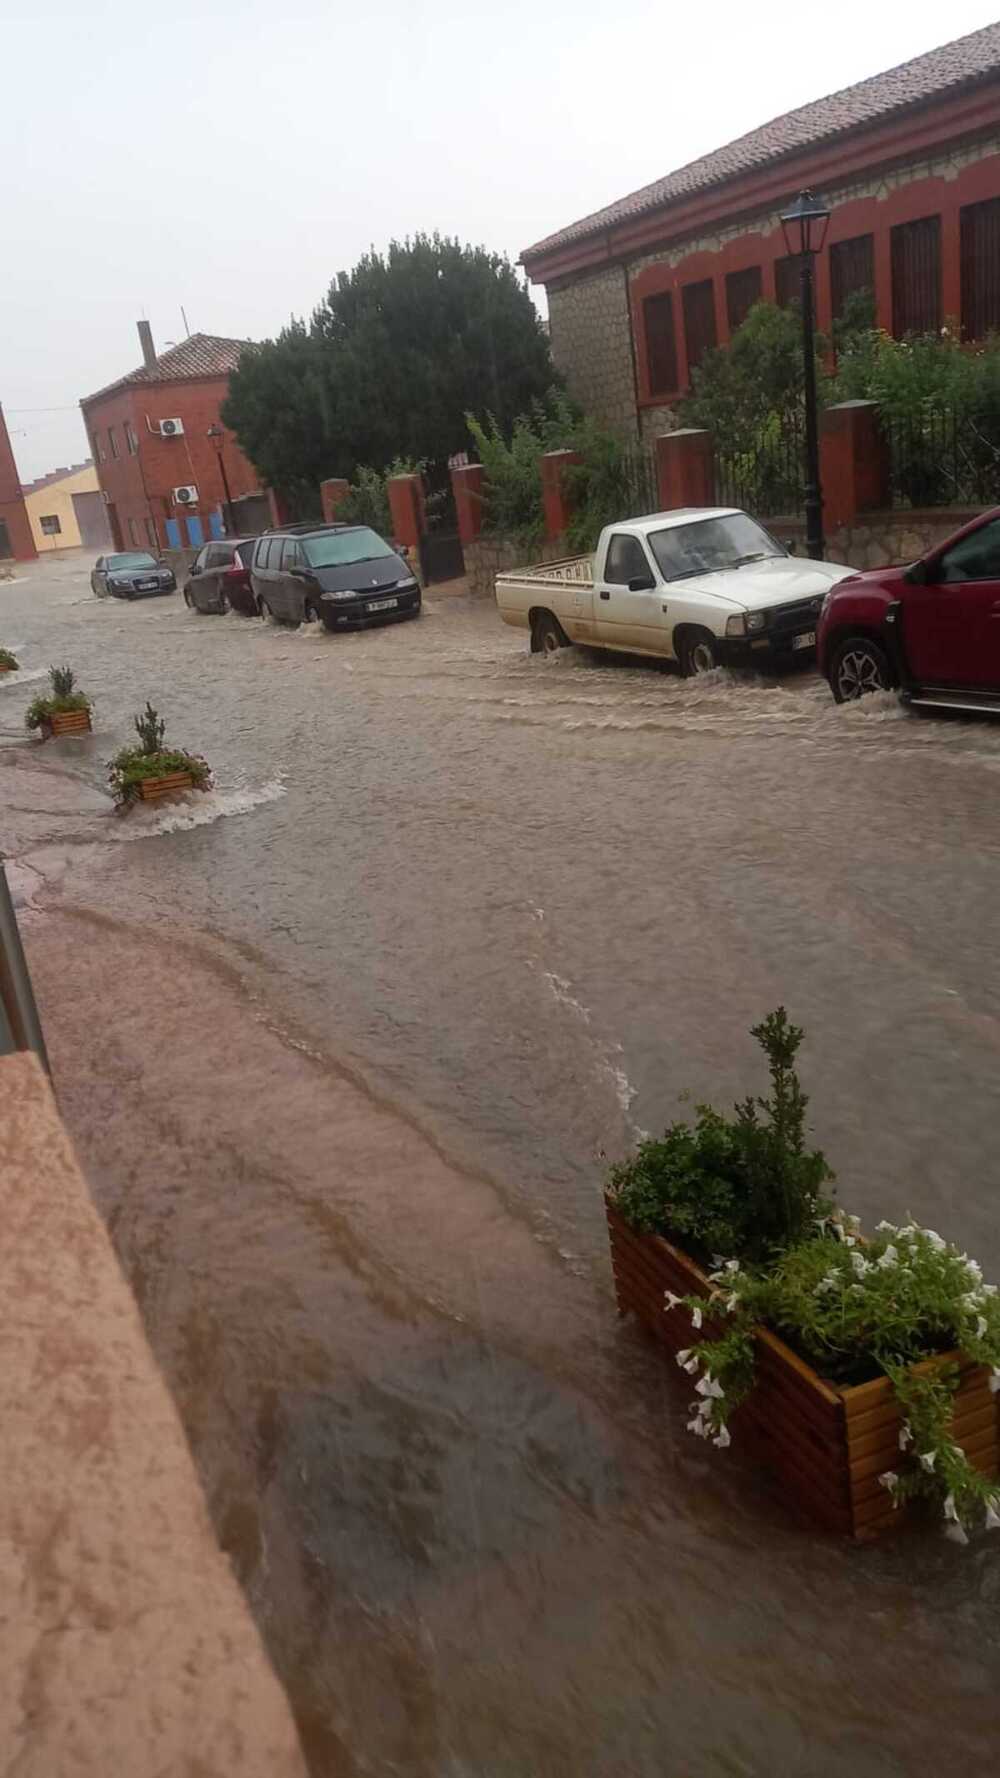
(232, 155)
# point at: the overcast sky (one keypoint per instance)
(230, 156)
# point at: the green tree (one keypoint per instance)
(398, 351)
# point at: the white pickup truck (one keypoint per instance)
(702, 586)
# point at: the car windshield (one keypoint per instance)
(336, 549)
(136, 558)
(710, 544)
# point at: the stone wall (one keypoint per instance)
(879, 539)
(493, 553)
(592, 345)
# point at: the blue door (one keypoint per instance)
(173, 530)
(215, 524)
(196, 530)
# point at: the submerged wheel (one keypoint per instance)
(859, 666)
(547, 634)
(187, 599)
(696, 653)
(223, 601)
(264, 612)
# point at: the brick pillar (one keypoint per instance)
(278, 505)
(331, 493)
(854, 462)
(685, 468)
(555, 495)
(406, 504)
(467, 487)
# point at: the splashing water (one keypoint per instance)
(196, 810)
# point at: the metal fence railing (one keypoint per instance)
(944, 457)
(767, 478)
(640, 485)
(20, 1027)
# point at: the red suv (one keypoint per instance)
(932, 629)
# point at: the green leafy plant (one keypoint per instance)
(745, 1186)
(8, 660)
(62, 698)
(856, 1310)
(150, 759)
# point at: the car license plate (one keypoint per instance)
(382, 604)
(806, 640)
(147, 586)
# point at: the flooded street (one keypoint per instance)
(344, 1045)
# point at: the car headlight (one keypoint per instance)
(756, 621)
(736, 626)
(346, 592)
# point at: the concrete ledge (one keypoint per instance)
(126, 1647)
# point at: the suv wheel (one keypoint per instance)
(223, 601)
(264, 612)
(859, 666)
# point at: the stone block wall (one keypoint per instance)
(879, 539)
(493, 553)
(592, 345)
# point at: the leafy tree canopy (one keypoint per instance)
(393, 358)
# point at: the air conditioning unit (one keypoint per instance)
(185, 496)
(170, 428)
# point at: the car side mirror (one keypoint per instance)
(921, 574)
(642, 583)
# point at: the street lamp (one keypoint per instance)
(218, 437)
(804, 228)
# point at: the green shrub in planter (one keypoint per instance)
(8, 661)
(150, 759)
(62, 698)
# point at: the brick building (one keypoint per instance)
(164, 488)
(909, 163)
(16, 542)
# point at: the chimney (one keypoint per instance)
(146, 342)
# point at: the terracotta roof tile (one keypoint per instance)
(966, 60)
(201, 355)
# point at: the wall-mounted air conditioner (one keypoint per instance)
(170, 428)
(186, 496)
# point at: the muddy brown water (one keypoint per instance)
(343, 1046)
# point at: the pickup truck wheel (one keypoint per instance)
(696, 653)
(547, 634)
(859, 666)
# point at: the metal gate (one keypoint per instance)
(441, 557)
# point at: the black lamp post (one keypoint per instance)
(218, 437)
(804, 228)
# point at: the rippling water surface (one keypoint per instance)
(456, 924)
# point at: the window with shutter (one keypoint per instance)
(787, 280)
(699, 321)
(916, 277)
(852, 268)
(981, 269)
(743, 289)
(661, 343)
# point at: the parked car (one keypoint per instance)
(131, 574)
(340, 575)
(932, 630)
(702, 586)
(219, 577)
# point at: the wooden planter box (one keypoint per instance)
(153, 790)
(828, 1445)
(4, 669)
(66, 722)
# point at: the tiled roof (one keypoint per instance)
(966, 60)
(200, 355)
(56, 475)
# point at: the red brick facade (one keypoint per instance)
(139, 486)
(16, 541)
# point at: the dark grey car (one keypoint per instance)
(218, 579)
(344, 576)
(131, 574)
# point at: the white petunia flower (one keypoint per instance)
(885, 1228)
(988, 1289)
(670, 1299)
(950, 1509)
(982, 1326)
(688, 1360)
(696, 1317)
(849, 1241)
(830, 1282)
(974, 1269)
(860, 1264)
(889, 1258)
(992, 1520)
(732, 1302)
(889, 1479)
(927, 1460)
(722, 1441)
(905, 1436)
(934, 1240)
(995, 1380)
(710, 1386)
(698, 1427)
(955, 1534)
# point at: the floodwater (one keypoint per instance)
(344, 1045)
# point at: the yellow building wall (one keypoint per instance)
(57, 498)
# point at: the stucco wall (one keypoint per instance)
(57, 498)
(126, 1647)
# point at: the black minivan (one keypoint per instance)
(340, 575)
